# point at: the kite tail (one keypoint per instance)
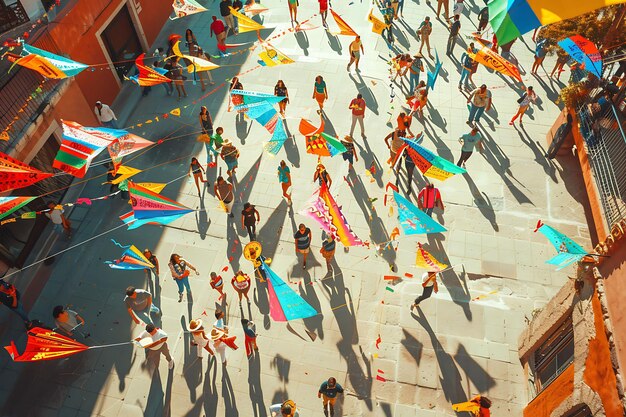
(121, 246)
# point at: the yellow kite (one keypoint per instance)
(377, 25)
(272, 57)
(125, 173)
(344, 28)
(197, 64)
(155, 187)
(245, 23)
(490, 59)
(427, 261)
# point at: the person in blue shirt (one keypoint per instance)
(541, 50)
(466, 66)
(328, 392)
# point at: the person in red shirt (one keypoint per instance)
(324, 11)
(219, 29)
(404, 123)
(429, 198)
(357, 106)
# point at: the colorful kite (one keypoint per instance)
(324, 145)
(307, 128)
(44, 344)
(45, 63)
(271, 57)
(9, 205)
(184, 8)
(196, 64)
(148, 76)
(431, 77)
(513, 18)
(323, 208)
(15, 174)
(491, 59)
(413, 220)
(568, 250)
(285, 303)
(150, 207)
(584, 52)
(245, 23)
(344, 28)
(132, 258)
(428, 163)
(124, 173)
(377, 25)
(155, 187)
(428, 262)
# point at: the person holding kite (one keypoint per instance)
(196, 169)
(235, 99)
(67, 321)
(241, 284)
(350, 153)
(154, 340)
(419, 100)
(322, 176)
(429, 284)
(320, 94)
(153, 260)
(199, 337)
(230, 155)
(217, 283)
(178, 77)
(220, 341)
(249, 218)
(223, 190)
(395, 145)
(328, 249)
(429, 198)
(180, 273)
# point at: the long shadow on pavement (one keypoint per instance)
(479, 377)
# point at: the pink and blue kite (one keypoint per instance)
(285, 303)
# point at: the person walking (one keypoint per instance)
(423, 32)
(387, 12)
(328, 249)
(154, 340)
(200, 339)
(190, 39)
(280, 90)
(241, 283)
(419, 100)
(428, 198)
(394, 6)
(180, 273)
(249, 218)
(455, 27)
(217, 283)
(293, 11)
(105, 115)
(429, 284)
(322, 176)
(58, 219)
(153, 260)
(220, 341)
(10, 297)
(238, 6)
(219, 29)
(230, 155)
(139, 305)
(404, 122)
(67, 321)
(249, 332)
(358, 105)
(395, 145)
(328, 393)
(356, 49)
(224, 192)
(541, 50)
(350, 153)
(303, 242)
(414, 72)
(466, 67)
(206, 121)
(214, 147)
(196, 169)
(320, 94)
(225, 6)
(524, 101)
(446, 8)
(324, 12)
(468, 142)
(409, 165)
(178, 77)
(285, 409)
(480, 101)
(483, 19)
(284, 178)
(561, 60)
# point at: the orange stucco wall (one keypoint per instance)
(76, 35)
(594, 200)
(551, 397)
(598, 372)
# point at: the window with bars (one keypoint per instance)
(554, 355)
(582, 411)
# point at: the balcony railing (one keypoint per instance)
(12, 16)
(603, 127)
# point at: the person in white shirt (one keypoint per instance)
(524, 101)
(155, 342)
(60, 222)
(429, 284)
(105, 115)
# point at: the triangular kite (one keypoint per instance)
(429, 164)
(131, 259)
(45, 63)
(245, 23)
(15, 174)
(9, 205)
(344, 28)
(427, 261)
(271, 57)
(197, 64)
(324, 145)
(150, 207)
(44, 344)
(491, 59)
(148, 76)
(125, 172)
(413, 220)
(184, 8)
(568, 250)
(254, 9)
(155, 187)
(285, 303)
(78, 148)
(431, 77)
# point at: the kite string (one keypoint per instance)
(111, 345)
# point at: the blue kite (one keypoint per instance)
(413, 220)
(568, 250)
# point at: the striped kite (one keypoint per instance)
(16, 174)
(413, 220)
(150, 207)
(429, 164)
(132, 258)
(9, 205)
(46, 63)
(285, 303)
(184, 8)
(148, 76)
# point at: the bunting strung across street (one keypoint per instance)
(344, 28)
(429, 164)
(491, 59)
(431, 77)
(323, 208)
(131, 259)
(568, 250)
(150, 207)
(9, 205)
(183, 8)
(148, 76)
(427, 261)
(46, 63)
(413, 220)
(15, 174)
(513, 18)
(584, 52)
(285, 303)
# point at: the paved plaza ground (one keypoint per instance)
(459, 343)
